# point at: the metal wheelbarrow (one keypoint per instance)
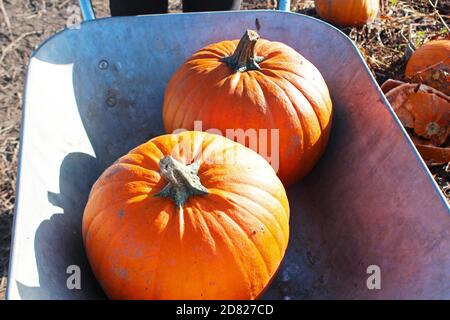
(368, 223)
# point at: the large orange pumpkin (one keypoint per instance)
(186, 216)
(255, 85)
(348, 13)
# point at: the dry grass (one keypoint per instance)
(24, 24)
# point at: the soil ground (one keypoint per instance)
(24, 24)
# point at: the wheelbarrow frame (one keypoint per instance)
(341, 227)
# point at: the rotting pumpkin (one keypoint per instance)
(347, 13)
(255, 86)
(426, 111)
(186, 216)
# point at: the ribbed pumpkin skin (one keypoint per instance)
(429, 54)
(227, 244)
(288, 94)
(348, 13)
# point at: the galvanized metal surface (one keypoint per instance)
(95, 92)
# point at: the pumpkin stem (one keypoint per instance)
(243, 59)
(182, 180)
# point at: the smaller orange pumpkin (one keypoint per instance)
(254, 88)
(348, 13)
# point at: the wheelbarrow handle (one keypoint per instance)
(88, 12)
(284, 5)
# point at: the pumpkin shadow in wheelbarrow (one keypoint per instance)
(59, 240)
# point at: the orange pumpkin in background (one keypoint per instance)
(258, 85)
(347, 13)
(431, 53)
(430, 64)
(186, 216)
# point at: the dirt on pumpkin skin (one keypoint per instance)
(24, 24)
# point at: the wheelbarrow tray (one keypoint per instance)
(94, 92)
